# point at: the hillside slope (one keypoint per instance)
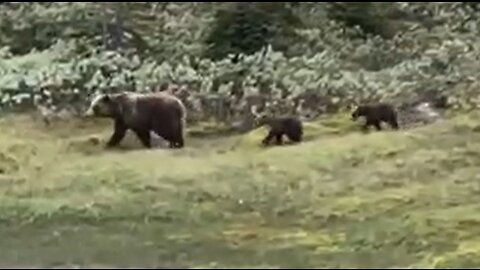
(384, 199)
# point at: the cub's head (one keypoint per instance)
(104, 105)
(358, 112)
(261, 118)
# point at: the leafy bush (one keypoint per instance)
(368, 16)
(335, 69)
(246, 28)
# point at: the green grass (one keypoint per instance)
(340, 199)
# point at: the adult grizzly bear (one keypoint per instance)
(159, 112)
(375, 114)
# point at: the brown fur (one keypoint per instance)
(375, 114)
(159, 112)
(279, 126)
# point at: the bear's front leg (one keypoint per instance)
(365, 127)
(394, 123)
(377, 124)
(278, 139)
(118, 134)
(267, 139)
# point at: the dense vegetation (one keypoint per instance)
(341, 199)
(322, 56)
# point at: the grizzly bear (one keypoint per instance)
(159, 112)
(279, 126)
(375, 114)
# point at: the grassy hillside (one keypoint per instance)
(341, 199)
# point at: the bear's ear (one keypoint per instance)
(352, 106)
(107, 98)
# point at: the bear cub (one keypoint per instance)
(375, 114)
(280, 126)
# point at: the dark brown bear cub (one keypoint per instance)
(279, 126)
(375, 114)
(159, 112)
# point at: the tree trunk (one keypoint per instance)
(117, 31)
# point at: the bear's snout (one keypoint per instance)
(88, 113)
(92, 111)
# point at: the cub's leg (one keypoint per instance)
(278, 139)
(268, 138)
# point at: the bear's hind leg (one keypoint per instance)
(394, 122)
(174, 135)
(295, 138)
(179, 143)
(175, 141)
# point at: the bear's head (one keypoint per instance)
(261, 118)
(104, 105)
(358, 112)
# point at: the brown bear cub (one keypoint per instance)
(280, 126)
(159, 112)
(375, 114)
